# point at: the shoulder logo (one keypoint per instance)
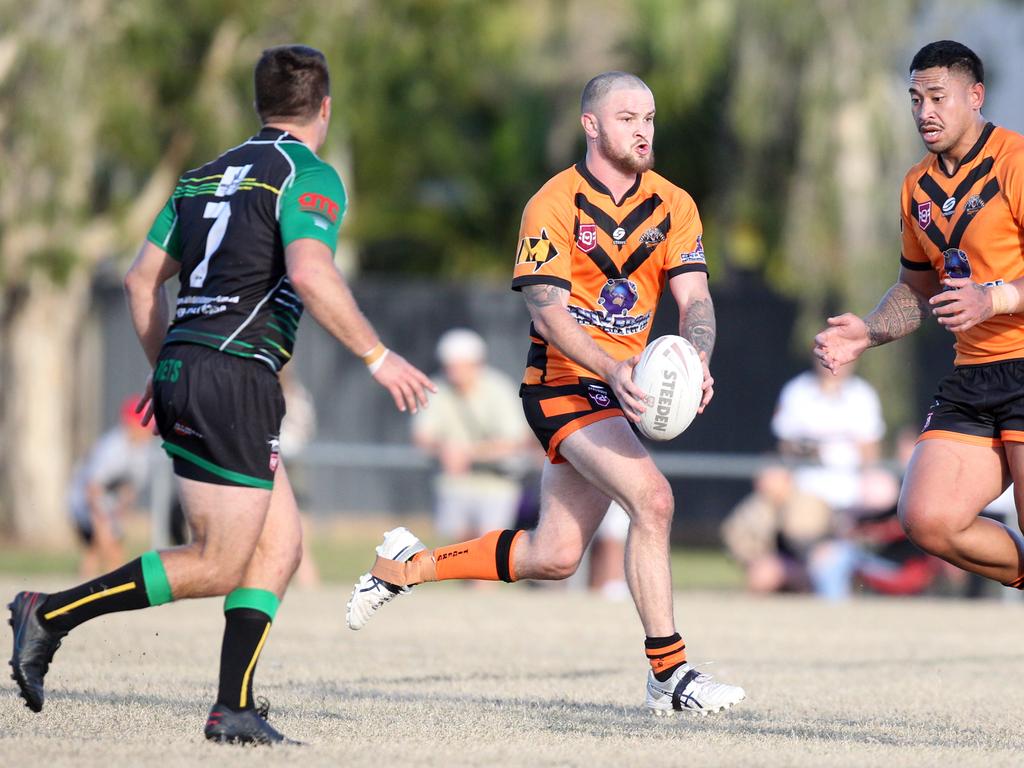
(696, 256)
(948, 207)
(536, 250)
(586, 237)
(924, 214)
(313, 202)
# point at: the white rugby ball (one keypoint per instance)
(670, 373)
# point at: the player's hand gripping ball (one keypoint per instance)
(670, 373)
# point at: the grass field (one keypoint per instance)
(519, 677)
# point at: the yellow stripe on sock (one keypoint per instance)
(252, 663)
(90, 598)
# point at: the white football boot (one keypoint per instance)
(690, 691)
(370, 593)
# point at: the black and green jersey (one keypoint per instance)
(228, 223)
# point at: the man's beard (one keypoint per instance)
(624, 162)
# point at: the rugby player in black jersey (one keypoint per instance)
(251, 237)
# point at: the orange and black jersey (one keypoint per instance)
(971, 224)
(613, 256)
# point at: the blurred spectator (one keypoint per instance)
(476, 430)
(608, 555)
(297, 430)
(875, 551)
(834, 420)
(106, 484)
(775, 531)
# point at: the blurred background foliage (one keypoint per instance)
(786, 119)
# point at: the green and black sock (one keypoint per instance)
(138, 584)
(248, 616)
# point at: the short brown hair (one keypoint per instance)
(291, 82)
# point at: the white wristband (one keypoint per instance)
(376, 364)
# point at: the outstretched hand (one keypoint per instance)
(842, 342)
(408, 385)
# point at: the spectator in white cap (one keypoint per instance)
(476, 431)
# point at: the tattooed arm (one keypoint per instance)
(548, 305)
(898, 314)
(697, 322)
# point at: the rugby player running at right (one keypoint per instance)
(598, 245)
(962, 217)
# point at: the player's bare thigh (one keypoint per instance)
(279, 548)
(610, 456)
(1015, 463)
(947, 485)
(226, 521)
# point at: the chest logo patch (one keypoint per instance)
(924, 214)
(973, 205)
(586, 238)
(618, 297)
(955, 263)
(948, 207)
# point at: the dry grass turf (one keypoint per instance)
(524, 677)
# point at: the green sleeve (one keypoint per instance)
(165, 232)
(312, 205)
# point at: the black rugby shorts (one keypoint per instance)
(219, 415)
(555, 412)
(979, 405)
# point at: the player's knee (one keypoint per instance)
(561, 564)
(928, 531)
(655, 510)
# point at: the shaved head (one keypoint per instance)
(600, 86)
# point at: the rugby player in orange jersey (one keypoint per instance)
(597, 246)
(962, 217)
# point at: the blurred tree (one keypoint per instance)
(98, 111)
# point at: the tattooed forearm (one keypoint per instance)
(697, 325)
(899, 313)
(540, 296)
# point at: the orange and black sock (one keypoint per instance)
(138, 584)
(490, 558)
(1017, 583)
(665, 655)
(248, 616)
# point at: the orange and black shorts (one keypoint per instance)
(555, 412)
(979, 405)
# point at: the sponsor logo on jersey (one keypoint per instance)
(924, 214)
(619, 236)
(536, 250)
(586, 238)
(955, 263)
(314, 202)
(599, 395)
(617, 298)
(948, 207)
(927, 421)
(973, 205)
(696, 256)
(652, 236)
